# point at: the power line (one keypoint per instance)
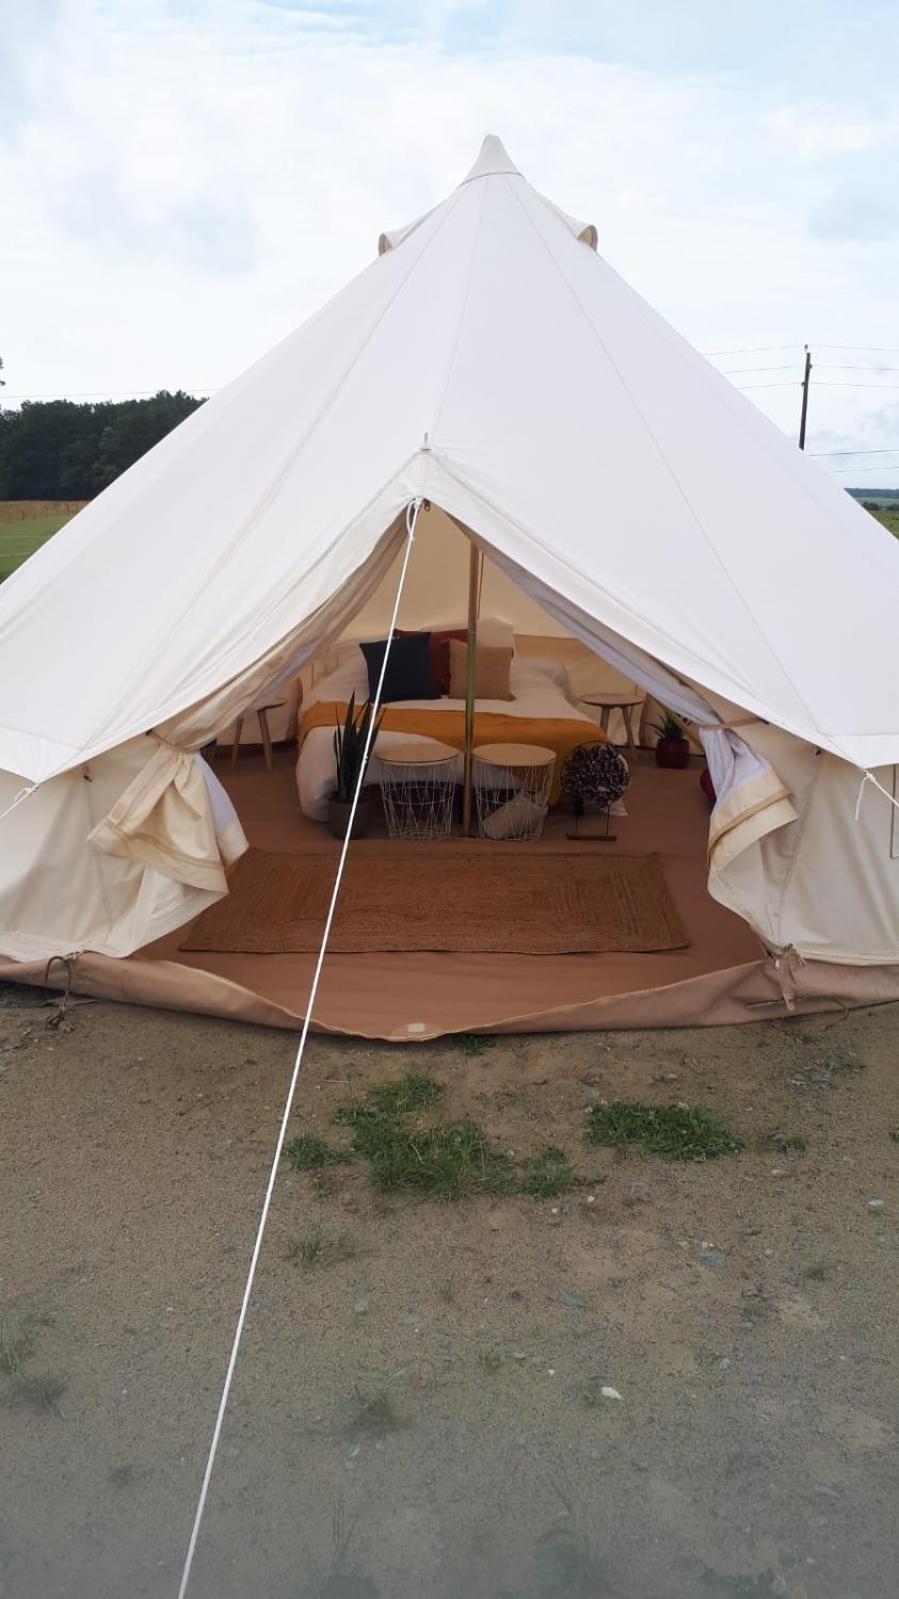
(827, 384)
(856, 471)
(763, 349)
(894, 450)
(869, 349)
(744, 388)
(745, 371)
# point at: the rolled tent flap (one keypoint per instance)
(751, 800)
(166, 819)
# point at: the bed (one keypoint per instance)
(539, 712)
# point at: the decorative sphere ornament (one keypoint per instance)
(596, 774)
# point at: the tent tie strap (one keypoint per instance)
(786, 964)
(22, 795)
(725, 727)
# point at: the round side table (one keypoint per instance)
(512, 785)
(418, 788)
(627, 704)
(261, 714)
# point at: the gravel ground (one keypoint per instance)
(418, 1407)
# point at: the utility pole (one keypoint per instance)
(805, 385)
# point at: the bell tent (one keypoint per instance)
(488, 382)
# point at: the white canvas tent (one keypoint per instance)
(493, 363)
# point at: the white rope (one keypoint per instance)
(22, 795)
(867, 778)
(412, 511)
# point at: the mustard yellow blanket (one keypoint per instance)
(448, 726)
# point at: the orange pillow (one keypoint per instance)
(438, 651)
(491, 671)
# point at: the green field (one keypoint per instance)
(889, 516)
(25, 525)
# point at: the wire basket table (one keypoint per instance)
(512, 785)
(418, 787)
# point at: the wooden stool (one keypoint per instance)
(627, 704)
(261, 713)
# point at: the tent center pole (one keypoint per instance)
(474, 584)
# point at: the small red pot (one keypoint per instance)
(673, 753)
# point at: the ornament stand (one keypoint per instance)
(592, 838)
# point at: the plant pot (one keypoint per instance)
(339, 816)
(673, 753)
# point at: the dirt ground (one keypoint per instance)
(418, 1408)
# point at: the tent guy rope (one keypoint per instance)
(412, 512)
(22, 795)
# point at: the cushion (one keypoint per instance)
(408, 676)
(438, 651)
(491, 673)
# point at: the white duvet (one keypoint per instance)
(537, 686)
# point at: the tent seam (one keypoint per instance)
(457, 337)
(665, 461)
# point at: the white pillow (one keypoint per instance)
(528, 670)
(495, 633)
(348, 676)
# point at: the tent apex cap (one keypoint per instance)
(493, 160)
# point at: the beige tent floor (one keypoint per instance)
(722, 977)
(418, 995)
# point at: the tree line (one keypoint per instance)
(59, 450)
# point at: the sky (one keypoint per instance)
(184, 181)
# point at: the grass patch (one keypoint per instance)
(491, 1361)
(449, 1161)
(784, 1143)
(548, 1173)
(474, 1044)
(306, 1248)
(387, 1104)
(375, 1414)
(41, 1391)
(16, 1344)
(894, 1135)
(312, 1248)
(309, 1152)
(817, 1273)
(675, 1132)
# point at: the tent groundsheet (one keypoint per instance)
(722, 977)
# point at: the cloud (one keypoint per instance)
(853, 216)
(185, 180)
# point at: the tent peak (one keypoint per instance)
(493, 161)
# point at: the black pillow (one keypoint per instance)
(408, 676)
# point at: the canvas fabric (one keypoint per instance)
(492, 362)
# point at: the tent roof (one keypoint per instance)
(491, 360)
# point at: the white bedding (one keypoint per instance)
(535, 684)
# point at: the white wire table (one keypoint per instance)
(418, 787)
(512, 785)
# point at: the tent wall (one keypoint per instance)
(58, 894)
(436, 591)
(827, 885)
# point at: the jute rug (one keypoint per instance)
(496, 899)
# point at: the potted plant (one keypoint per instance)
(350, 755)
(673, 747)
